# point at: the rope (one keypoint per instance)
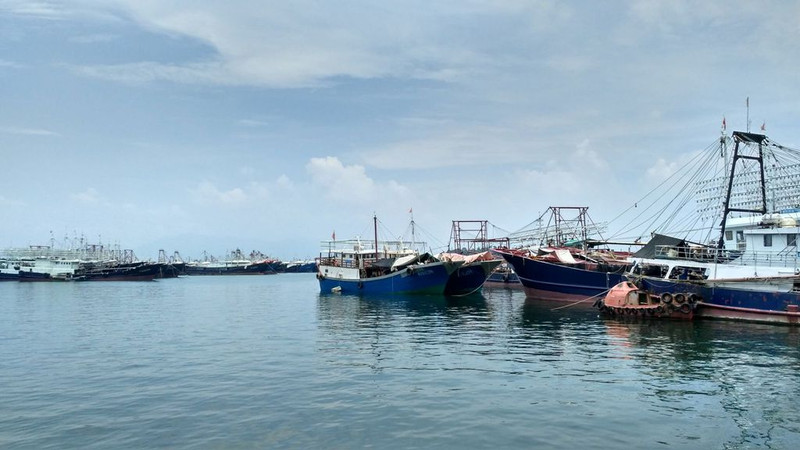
(581, 301)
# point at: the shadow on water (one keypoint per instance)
(743, 375)
(353, 306)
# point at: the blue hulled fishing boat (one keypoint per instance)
(751, 272)
(471, 275)
(356, 267)
(565, 275)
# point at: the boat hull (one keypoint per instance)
(257, 268)
(626, 300)
(503, 278)
(426, 279)
(127, 272)
(560, 282)
(749, 305)
(34, 276)
(469, 278)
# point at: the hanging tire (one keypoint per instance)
(685, 309)
(680, 299)
(666, 298)
(694, 298)
(660, 310)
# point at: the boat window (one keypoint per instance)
(728, 235)
(791, 240)
(739, 236)
(767, 240)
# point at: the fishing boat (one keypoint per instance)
(471, 275)
(300, 266)
(564, 275)
(39, 269)
(503, 277)
(471, 246)
(111, 271)
(356, 267)
(628, 300)
(565, 265)
(751, 274)
(237, 263)
(8, 271)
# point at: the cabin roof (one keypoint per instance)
(649, 249)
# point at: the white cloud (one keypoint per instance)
(88, 197)
(351, 184)
(588, 158)
(206, 192)
(284, 182)
(39, 9)
(28, 131)
(308, 44)
(340, 182)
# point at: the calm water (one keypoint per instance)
(266, 362)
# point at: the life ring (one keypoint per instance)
(666, 298)
(685, 309)
(680, 299)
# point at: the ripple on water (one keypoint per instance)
(268, 362)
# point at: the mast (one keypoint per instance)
(413, 236)
(375, 225)
(747, 138)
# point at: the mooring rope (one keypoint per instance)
(581, 301)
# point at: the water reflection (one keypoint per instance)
(722, 382)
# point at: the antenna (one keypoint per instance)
(748, 113)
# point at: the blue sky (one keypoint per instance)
(206, 126)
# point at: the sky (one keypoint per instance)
(204, 126)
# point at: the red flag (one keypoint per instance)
(333, 235)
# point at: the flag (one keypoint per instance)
(333, 235)
(410, 210)
(764, 126)
(724, 126)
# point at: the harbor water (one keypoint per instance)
(268, 362)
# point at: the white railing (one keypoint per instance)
(714, 255)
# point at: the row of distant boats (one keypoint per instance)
(45, 264)
(750, 273)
